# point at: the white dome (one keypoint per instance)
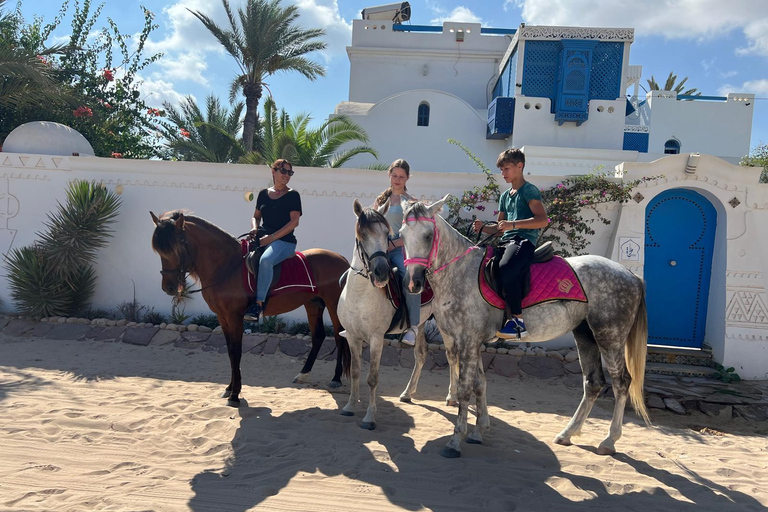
(46, 138)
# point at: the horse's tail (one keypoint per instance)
(635, 353)
(346, 356)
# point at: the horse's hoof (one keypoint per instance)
(604, 450)
(451, 403)
(346, 413)
(226, 393)
(405, 399)
(563, 441)
(369, 425)
(233, 402)
(450, 453)
(473, 441)
(334, 384)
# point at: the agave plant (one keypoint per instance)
(55, 277)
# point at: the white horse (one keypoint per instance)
(612, 325)
(366, 312)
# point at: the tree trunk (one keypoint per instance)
(252, 92)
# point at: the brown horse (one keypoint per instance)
(191, 245)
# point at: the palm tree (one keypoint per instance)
(283, 137)
(263, 40)
(209, 137)
(26, 77)
(670, 85)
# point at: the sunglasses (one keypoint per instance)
(283, 170)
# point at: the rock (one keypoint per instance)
(572, 367)
(328, 348)
(271, 346)
(502, 350)
(122, 322)
(163, 325)
(41, 330)
(111, 333)
(714, 410)
(182, 328)
(68, 332)
(217, 330)
(172, 327)
(132, 324)
(506, 365)
(556, 355)
(218, 340)
(407, 358)
(61, 320)
(195, 336)
(83, 321)
(722, 398)
(751, 412)
(491, 350)
(293, 347)
(674, 406)
(111, 323)
(252, 344)
(72, 320)
(389, 357)
(542, 367)
(433, 347)
(139, 336)
(441, 360)
(655, 401)
(487, 360)
(164, 336)
(517, 352)
(571, 356)
(192, 327)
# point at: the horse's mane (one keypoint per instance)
(368, 218)
(166, 242)
(419, 209)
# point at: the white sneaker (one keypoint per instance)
(409, 338)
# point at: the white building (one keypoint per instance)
(548, 90)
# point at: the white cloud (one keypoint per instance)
(325, 14)
(155, 92)
(458, 14)
(673, 19)
(756, 87)
(184, 66)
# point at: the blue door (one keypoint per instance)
(679, 238)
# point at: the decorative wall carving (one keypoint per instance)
(602, 34)
(34, 161)
(636, 128)
(747, 308)
(9, 208)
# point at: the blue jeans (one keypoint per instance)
(412, 300)
(276, 252)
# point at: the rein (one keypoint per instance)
(366, 259)
(429, 260)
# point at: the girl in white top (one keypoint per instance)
(399, 173)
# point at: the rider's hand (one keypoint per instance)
(265, 240)
(252, 233)
(477, 225)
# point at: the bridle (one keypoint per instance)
(430, 259)
(366, 259)
(185, 268)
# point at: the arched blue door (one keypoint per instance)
(679, 238)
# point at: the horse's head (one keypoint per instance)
(371, 232)
(169, 241)
(421, 240)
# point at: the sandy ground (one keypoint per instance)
(111, 426)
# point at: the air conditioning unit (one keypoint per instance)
(501, 118)
(396, 13)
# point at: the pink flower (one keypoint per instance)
(480, 207)
(115, 154)
(153, 111)
(184, 133)
(82, 111)
(42, 59)
(108, 75)
(495, 212)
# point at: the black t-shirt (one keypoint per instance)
(276, 213)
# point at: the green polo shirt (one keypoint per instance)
(515, 207)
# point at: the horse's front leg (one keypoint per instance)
(421, 352)
(376, 346)
(356, 349)
(483, 420)
(233, 333)
(467, 375)
(453, 371)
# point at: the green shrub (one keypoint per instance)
(211, 320)
(154, 318)
(90, 314)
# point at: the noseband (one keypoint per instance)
(366, 259)
(429, 260)
(184, 269)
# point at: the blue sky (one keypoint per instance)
(721, 46)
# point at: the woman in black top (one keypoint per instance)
(279, 209)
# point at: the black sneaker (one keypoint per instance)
(253, 313)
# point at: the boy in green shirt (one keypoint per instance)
(521, 216)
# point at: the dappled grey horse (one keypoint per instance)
(366, 312)
(612, 325)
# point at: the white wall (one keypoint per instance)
(721, 128)
(383, 62)
(391, 126)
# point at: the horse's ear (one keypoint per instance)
(383, 209)
(180, 221)
(154, 218)
(435, 207)
(358, 209)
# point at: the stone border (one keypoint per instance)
(681, 396)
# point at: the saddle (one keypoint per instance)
(292, 274)
(549, 277)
